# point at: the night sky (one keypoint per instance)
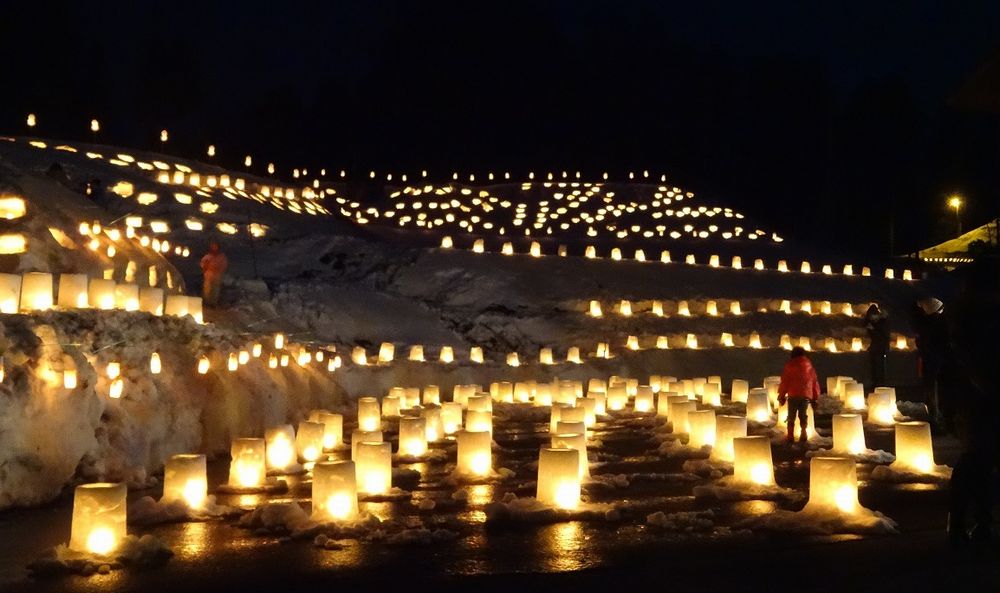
(819, 121)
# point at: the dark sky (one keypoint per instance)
(812, 116)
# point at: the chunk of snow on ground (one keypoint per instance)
(687, 521)
(908, 408)
(813, 522)
(729, 488)
(530, 510)
(147, 511)
(888, 473)
(425, 504)
(676, 450)
(142, 551)
(272, 486)
(877, 456)
(712, 468)
(275, 517)
(394, 493)
(430, 455)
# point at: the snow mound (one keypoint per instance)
(687, 521)
(431, 455)
(710, 468)
(394, 493)
(276, 517)
(272, 486)
(911, 409)
(897, 475)
(874, 456)
(729, 488)
(530, 510)
(148, 511)
(676, 450)
(821, 522)
(141, 552)
(456, 477)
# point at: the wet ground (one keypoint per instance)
(569, 556)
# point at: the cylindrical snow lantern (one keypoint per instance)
(374, 467)
(480, 403)
(752, 460)
(127, 297)
(361, 436)
(617, 397)
(185, 480)
(369, 414)
(848, 434)
(150, 300)
(914, 450)
(433, 431)
(390, 406)
(36, 291)
(711, 395)
(280, 447)
(10, 293)
(643, 399)
(576, 441)
(73, 291)
(412, 436)
(474, 453)
(334, 491)
(99, 513)
(386, 352)
(701, 428)
(880, 409)
(740, 390)
(559, 478)
(177, 305)
(309, 440)
(679, 413)
(451, 417)
(833, 485)
(431, 395)
(854, 396)
(247, 468)
(333, 429)
(476, 421)
(758, 405)
(727, 428)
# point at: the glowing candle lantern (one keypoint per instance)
(476, 354)
(536, 249)
(785, 342)
(830, 345)
(479, 420)
(889, 274)
(513, 360)
(36, 291)
(369, 414)
(758, 405)
(247, 468)
(854, 396)
(740, 390)
(507, 249)
(127, 297)
(616, 254)
(914, 450)
(410, 398)
(451, 417)
(734, 308)
(711, 395)
(727, 428)
(334, 491)
(590, 252)
(480, 403)
(478, 246)
(665, 256)
(713, 261)
(69, 379)
(279, 341)
(806, 268)
(431, 395)
(907, 275)
(833, 485)
(446, 242)
(359, 356)
(522, 391)
(678, 415)
(576, 441)
(363, 436)
(374, 468)
(617, 397)
(98, 525)
(101, 294)
(113, 370)
(73, 291)
(771, 384)
(390, 405)
(758, 264)
(901, 343)
(782, 265)
(10, 293)
(848, 434)
(663, 402)
(689, 259)
(545, 356)
(447, 355)
(280, 442)
(643, 399)
(386, 351)
(116, 388)
(559, 478)
(234, 362)
(625, 308)
(412, 436)
(474, 453)
(691, 342)
(185, 480)
(543, 394)
(333, 429)
(806, 307)
(203, 364)
(150, 300)
(712, 308)
(856, 345)
(632, 343)
(416, 353)
(866, 271)
(595, 309)
(309, 441)
(662, 343)
(683, 308)
(752, 460)
(755, 341)
(657, 308)
(701, 428)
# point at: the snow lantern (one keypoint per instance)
(616, 253)
(374, 467)
(574, 414)
(513, 360)
(334, 491)
(737, 262)
(758, 264)
(856, 345)
(727, 428)
(617, 397)
(576, 441)
(362, 436)
(752, 460)
(431, 413)
(662, 343)
(309, 441)
(559, 478)
(848, 434)
(36, 291)
(657, 308)
(69, 379)
(690, 259)
(203, 364)
(914, 450)
(683, 308)
(416, 353)
(589, 407)
(625, 308)
(590, 252)
(247, 468)
(185, 480)
(734, 308)
(663, 402)
(369, 414)
(881, 410)
(595, 309)
(640, 255)
(632, 343)
(901, 343)
(127, 297)
(726, 340)
(701, 428)
(782, 265)
(359, 356)
(501, 391)
(474, 452)
(536, 249)
(10, 293)
(833, 485)
(507, 248)
(150, 300)
(451, 417)
(98, 518)
(73, 291)
(333, 429)
(740, 390)
(391, 405)
(116, 388)
(691, 342)
(679, 413)
(854, 396)
(412, 436)
(771, 384)
(233, 363)
(280, 441)
(758, 405)
(712, 308)
(155, 365)
(665, 256)
(478, 246)
(446, 242)
(279, 341)
(643, 399)
(447, 355)
(476, 354)
(481, 402)
(479, 420)
(386, 351)
(177, 305)
(522, 392)
(711, 395)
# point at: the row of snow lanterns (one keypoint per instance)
(683, 308)
(35, 291)
(96, 230)
(535, 250)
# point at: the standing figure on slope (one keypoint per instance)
(800, 388)
(877, 324)
(213, 268)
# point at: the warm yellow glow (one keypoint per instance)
(955, 202)
(101, 541)
(12, 207)
(280, 448)
(13, 243)
(116, 388)
(203, 365)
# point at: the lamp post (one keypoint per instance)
(955, 203)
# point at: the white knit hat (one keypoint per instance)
(930, 305)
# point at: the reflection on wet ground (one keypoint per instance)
(218, 551)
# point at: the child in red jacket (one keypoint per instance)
(800, 388)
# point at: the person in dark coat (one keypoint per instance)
(970, 392)
(877, 324)
(933, 348)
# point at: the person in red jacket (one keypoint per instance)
(213, 267)
(800, 388)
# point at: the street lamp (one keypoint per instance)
(955, 203)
